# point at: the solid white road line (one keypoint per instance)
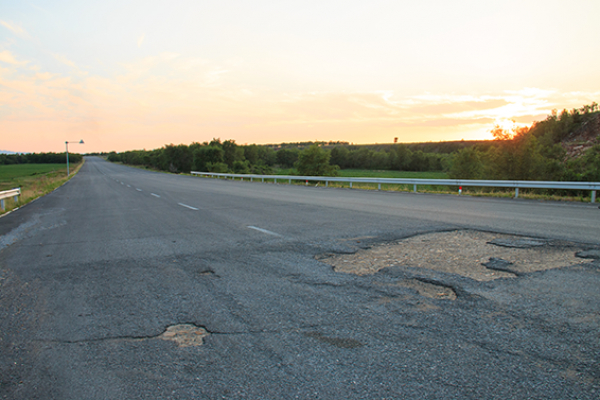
(190, 207)
(155, 195)
(264, 231)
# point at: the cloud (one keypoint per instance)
(171, 97)
(17, 30)
(64, 60)
(7, 57)
(141, 40)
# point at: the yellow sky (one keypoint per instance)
(135, 74)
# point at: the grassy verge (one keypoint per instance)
(367, 173)
(35, 180)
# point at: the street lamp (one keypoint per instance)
(67, 144)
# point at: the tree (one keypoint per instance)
(286, 158)
(466, 165)
(205, 155)
(314, 161)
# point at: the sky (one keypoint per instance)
(123, 75)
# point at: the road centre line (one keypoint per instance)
(190, 207)
(155, 195)
(128, 185)
(264, 231)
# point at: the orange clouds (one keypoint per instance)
(170, 98)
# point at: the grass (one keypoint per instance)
(537, 194)
(35, 180)
(367, 173)
(9, 172)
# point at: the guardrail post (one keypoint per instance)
(593, 196)
(415, 188)
(275, 180)
(350, 185)
(290, 181)
(326, 183)
(263, 180)
(516, 192)
(2, 204)
(251, 179)
(379, 186)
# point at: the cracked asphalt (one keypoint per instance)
(101, 281)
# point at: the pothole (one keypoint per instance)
(431, 290)
(463, 252)
(185, 335)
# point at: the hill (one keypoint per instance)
(582, 138)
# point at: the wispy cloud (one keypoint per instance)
(7, 57)
(14, 28)
(141, 40)
(64, 60)
(170, 97)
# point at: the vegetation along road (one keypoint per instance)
(131, 284)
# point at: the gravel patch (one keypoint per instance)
(463, 252)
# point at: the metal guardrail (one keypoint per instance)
(591, 186)
(15, 193)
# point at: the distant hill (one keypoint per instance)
(7, 152)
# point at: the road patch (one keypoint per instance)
(185, 335)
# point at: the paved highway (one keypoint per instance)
(92, 275)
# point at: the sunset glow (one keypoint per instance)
(127, 75)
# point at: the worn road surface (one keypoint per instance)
(129, 284)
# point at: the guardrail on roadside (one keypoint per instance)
(591, 186)
(9, 193)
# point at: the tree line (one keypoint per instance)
(39, 158)
(228, 156)
(536, 153)
(533, 153)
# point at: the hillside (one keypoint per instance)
(583, 138)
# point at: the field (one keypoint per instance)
(9, 172)
(35, 180)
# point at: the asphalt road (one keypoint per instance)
(93, 274)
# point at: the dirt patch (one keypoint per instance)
(185, 335)
(430, 290)
(460, 252)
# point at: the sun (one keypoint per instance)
(507, 125)
(505, 128)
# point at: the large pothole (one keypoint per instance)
(461, 252)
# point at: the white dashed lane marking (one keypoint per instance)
(264, 231)
(186, 206)
(155, 195)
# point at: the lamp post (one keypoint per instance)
(67, 145)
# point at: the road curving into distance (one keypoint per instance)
(130, 284)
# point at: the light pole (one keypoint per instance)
(67, 145)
